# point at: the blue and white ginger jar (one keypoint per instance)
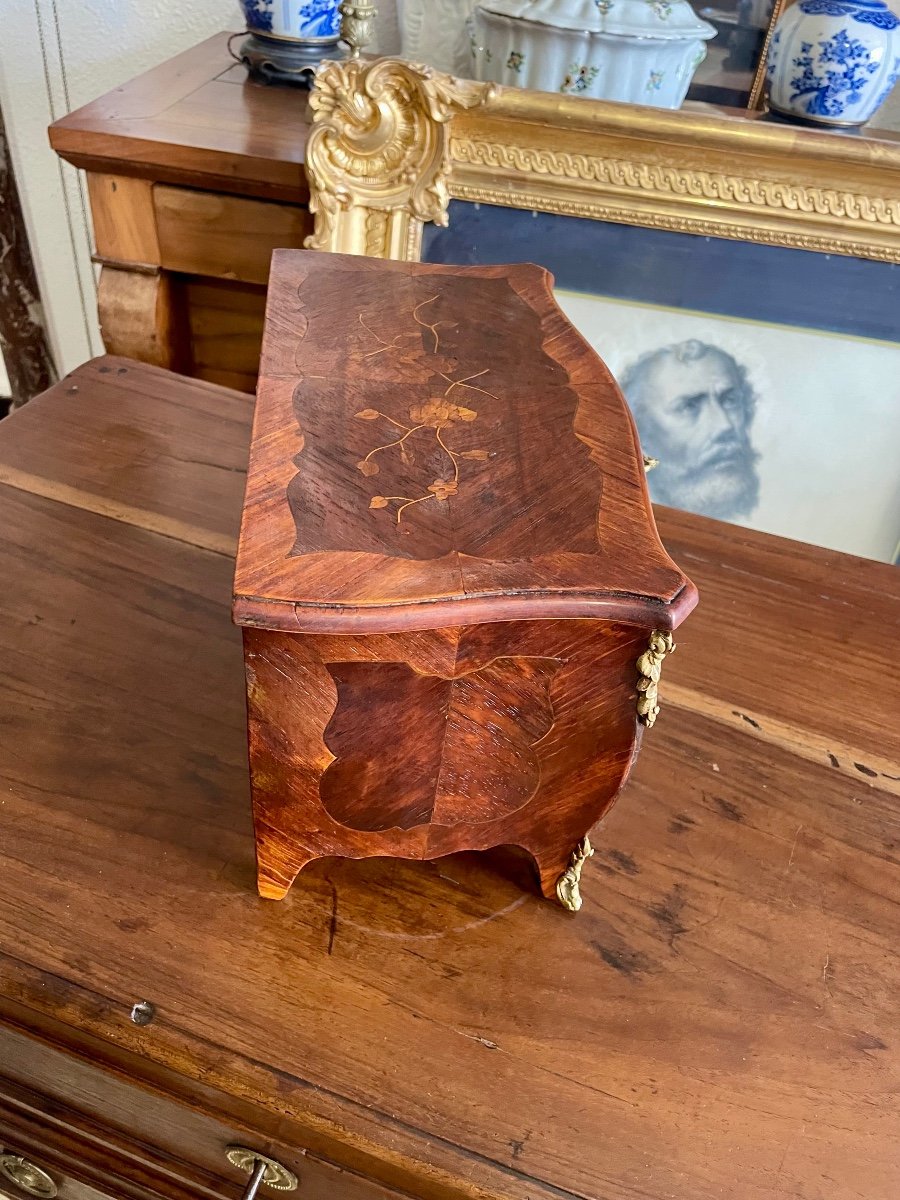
(296, 20)
(833, 61)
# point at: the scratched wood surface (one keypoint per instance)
(719, 1020)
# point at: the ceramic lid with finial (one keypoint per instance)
(663, 19)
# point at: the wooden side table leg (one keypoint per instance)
(139, 317)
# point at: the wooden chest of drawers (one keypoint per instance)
(195, 175)
(719, 1020)
(449, 576)
(93, 1131)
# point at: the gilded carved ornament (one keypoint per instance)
(649, 667)
(378, 156)
(381, 161)
(568, 887)
(357, 24)
(732, 224)
(666, 180)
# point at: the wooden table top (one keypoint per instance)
(195, 119)
(721, 1018)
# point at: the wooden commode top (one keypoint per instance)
(719, 1020)
(435, 445)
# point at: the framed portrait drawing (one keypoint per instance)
(765, 380)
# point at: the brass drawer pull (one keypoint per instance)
(26, 1176)
(263, 1171)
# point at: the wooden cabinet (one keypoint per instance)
(195, 175)
(94, 1132)
(454, 599)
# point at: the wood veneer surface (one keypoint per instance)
(434, 445)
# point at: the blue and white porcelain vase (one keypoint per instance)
(289, 38)
(833, 62)
(308, 21)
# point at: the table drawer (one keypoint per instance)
(224, 237)
(78, 1152)
(88, 1125)
(66, 1187)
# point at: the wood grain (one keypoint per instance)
(823, 675)
(419, 745)
(407, 463)
(125, 220)
(86, 1129)
(174, 450)
(198, 173)
(224, 323)
(194, 117)
(720, 1019)
(224, 237)
(139, 316)
(435, 449)
(475, 746)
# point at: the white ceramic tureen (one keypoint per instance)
(639, 51)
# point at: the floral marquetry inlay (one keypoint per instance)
(414, 431)
(433, 418)
(431, 422)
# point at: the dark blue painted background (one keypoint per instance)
(680, 270)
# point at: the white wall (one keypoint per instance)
(56, 55)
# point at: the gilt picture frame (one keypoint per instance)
(391, 143)
(781, 212)
(765, 407)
